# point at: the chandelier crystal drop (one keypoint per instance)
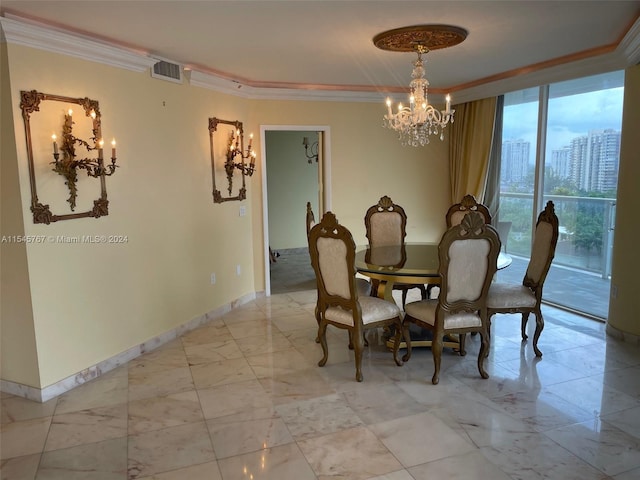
(416, 122)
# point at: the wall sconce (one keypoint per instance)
(235, 156)
(68, 165)
(65, 161)
(313, 149)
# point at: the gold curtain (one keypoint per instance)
(470, 147)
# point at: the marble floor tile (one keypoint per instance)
(278, 363)
(258, 345)
(23, 438)
(468, 466)
(100, 392)
(87, 426)
(208, 375)
(592, 395)
(20, 467)
(105, 460)
(600, 444)
(534, 456)
(300, 385)
(168, 449)
(238, 437)
(356, 454)
(212, 352)
(420, 438)
(233, 399)
(318, 416)
(214, 332)
(203, 471)
(15, 409)
(242, 396)
(277, 463)
(160, 383)
(156, 413)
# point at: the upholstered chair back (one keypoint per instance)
(468, 258)
(385, 223)
(544, 246)
(332, 263)
(332, 252)
(456, 212)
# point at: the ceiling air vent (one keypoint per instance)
(167, 71)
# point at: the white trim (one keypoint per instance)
(57, 41)
(326, 183)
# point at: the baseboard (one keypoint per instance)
(95, 371)
(623, 336)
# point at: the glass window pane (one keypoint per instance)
(580, 177)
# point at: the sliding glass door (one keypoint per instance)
(561, 142)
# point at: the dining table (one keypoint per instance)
(408, 263)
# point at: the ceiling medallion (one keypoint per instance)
(406, 39)
(418, 121)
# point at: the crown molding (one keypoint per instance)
(32, 34)
(52, 40)
(630, 44)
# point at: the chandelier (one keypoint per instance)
(416, 122)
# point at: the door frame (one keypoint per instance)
(324, 180)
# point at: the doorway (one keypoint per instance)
(291, 177)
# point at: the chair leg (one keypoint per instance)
(407, 339)
(423, 292)
(322, 336)
(484, 353)
(523, 325)
(396, 342)
(536, 335)
(317, 315)
(404, 297)
(462, 337)
(358, 346)
(436, 349)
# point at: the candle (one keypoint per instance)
(93, 114)
(448, 99)
(250, 140)
(55, 145)
(389, 106)
(100, 146)
(113, 148)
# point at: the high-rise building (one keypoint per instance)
(514, 164)
(590, 161)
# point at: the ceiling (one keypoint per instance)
(327, 45)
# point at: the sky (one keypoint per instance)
(569, 116)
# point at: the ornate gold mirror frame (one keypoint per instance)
(64, 161)
(232, 147)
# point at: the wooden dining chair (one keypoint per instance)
(385, 224)
(363, 285)
(468, 255)
(332, 252)
(526, 297)
(457, 211)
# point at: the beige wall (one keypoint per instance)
(368, 162)
(18, 351)
(74, 305)
(624, 301)
(91, 302)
